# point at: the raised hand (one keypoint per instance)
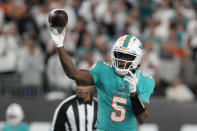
(133, 81)
(57, 36)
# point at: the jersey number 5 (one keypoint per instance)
(118, 108)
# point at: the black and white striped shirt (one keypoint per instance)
(75, 115)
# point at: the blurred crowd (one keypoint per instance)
(167, 29)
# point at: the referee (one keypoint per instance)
(77, 112)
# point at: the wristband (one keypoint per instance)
(137, 106)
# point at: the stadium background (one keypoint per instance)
(30, 72)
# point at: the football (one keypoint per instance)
(57, 18)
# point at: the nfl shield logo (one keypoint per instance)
(122, 86)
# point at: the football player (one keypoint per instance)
(123, 91)
(14, 118)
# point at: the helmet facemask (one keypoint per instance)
(123, 63)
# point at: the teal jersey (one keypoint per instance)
(20, 127)
(114, 104)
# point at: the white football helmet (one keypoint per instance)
(14, 114)
(131, 48)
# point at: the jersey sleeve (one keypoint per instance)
(148, 89)
(26, 126)
(95, 70)
(59, 120)
(5, 127)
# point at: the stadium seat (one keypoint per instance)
(40, 126)
(148, 127)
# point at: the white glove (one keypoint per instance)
(133, 81)
(57, 38)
